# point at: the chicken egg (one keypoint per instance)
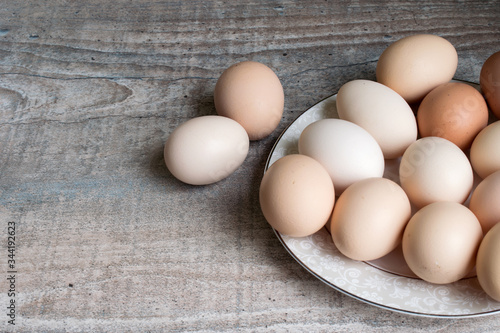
(435, 169)
(347, 151)
(485, 152)
(206, 149)
(250, 93)
(381, 111)
(440, 242)
(414, 65)
(455, 111)
(485, 201)
(369, 218)
(488, 263)
(489, 81)
(296, 195)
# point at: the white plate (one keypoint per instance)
(387, 283)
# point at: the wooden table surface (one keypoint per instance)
(106, 239)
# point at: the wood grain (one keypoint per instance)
(108, 240)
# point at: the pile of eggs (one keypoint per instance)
(443, 205)
(445, 144)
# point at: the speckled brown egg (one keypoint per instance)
(455, 111)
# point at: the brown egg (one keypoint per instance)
(484, 152)
(296, 195)
(484, 201)
(434, 169)
(489, 80)
(369, 218)
(454, 111)
(250, 93)
(414, 65)
(440, 242)
(206, 149)
(488, 263)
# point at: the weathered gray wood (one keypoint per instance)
(107, 239)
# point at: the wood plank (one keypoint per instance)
(108, 240)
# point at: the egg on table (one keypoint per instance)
(206, 149)
(250, 93)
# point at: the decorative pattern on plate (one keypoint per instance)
(366, 282)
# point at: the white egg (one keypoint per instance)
(347, 151)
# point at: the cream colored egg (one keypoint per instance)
(485, 150)
(369, 219)
(435, 169)
(416, 64)
(485, 201)
(347, 151)
(440, 242)
(250, 93)
(488, 263)
(296, 195)
(206, 149)
(381, 111)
